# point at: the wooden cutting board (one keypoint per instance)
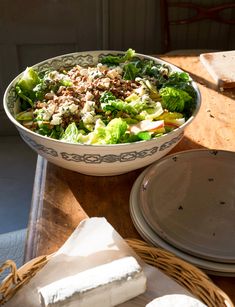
(221, 66)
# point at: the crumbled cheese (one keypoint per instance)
(113, 73)
(89, 118)
(73, 108)
(146, 98)
(105, 82)
(94, 73)
(102, 68)
(80, 87)
(119, 69)
(84, 72)
(140, 90)
(56, 120)
(89, 106)
(47, 113)
(68, 107)
(89, 96)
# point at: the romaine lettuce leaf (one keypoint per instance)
(57, 132)
(25, 116)
(182, 81)
(111, 60)
(130, 53)
(137, 107)
(27, 102)
(174, 99)
(178, 77)
(146, 108)
(115, 129)
(130, 71)
(71, 134)
(102, 134)
(110, 134)
(106, 97)
(119, 105)
(144, 135)
(28, 80)
(44, 129)
(24, 87)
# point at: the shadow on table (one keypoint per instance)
(112, 205)
(226, 92)
(187, 144)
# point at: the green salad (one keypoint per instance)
(120, 100)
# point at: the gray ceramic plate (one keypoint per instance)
(188, 199)
(211, 267)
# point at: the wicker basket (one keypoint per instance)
(184, 273)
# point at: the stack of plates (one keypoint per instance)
(185, 203)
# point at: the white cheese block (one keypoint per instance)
(105, 285)
(176, 300)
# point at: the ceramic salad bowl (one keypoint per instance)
(97, 159)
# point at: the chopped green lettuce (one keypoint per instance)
(119, 105)
(144, 135)
(142, 67)
(110, 134)
(44, 129)
(57, 132)
(130, 71)
(137, 107)
(115, 129)
(182, 81)
(174, 99)
(146, 107)
(28, 80)
(25, 116)
(102, 134)
(24, 87)
(106, 97)
(71, 134)
(111, 60)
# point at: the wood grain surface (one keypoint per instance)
(62, 198)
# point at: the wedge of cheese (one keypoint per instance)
(176, 300)
(105, 285)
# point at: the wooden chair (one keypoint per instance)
(197, 13)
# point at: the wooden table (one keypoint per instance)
(62, 198)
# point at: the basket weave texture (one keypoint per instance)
(192, 278)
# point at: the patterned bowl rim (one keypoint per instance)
(99, 53)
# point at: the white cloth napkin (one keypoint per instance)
(93, 242)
